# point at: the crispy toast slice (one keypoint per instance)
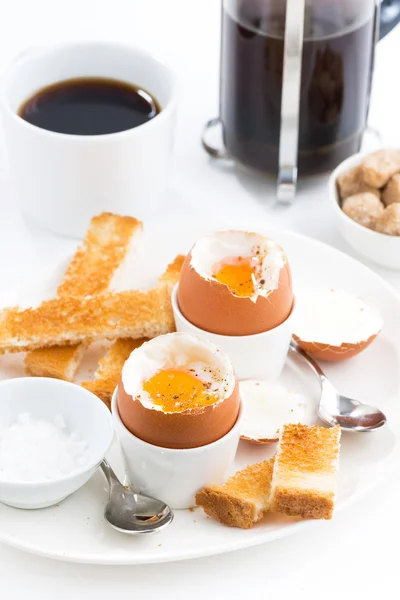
(305, 471)
(108, 373)
(60, 362)
(91, 270)
(109, 369)
(94, 264)
(71, 320)
(243, 499)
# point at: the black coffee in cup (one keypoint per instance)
(335, 85)
(89, 106)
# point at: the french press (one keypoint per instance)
(295, 81)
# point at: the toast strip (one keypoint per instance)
(243, 499)
(70, 320)
(109, 369)
(90, 272)
(108, 373)
(305, 472)
(96, 260)
(60, 362)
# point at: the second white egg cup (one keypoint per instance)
(175, 475)
(257, 356)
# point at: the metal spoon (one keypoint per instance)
(336, 409)
(130, 512)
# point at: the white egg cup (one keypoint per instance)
(257, 356)
(175, 476)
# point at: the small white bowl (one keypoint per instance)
(44, 398)
(175, 476)
(258, 356)
(382, 249)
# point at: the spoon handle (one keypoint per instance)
(109, 473)
(329, 403)
(315, 366)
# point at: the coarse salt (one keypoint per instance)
(38, 450)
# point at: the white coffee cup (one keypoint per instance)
(62, 180)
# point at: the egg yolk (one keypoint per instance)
(176, 391)
(238, 276)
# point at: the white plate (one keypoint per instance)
(76, 531)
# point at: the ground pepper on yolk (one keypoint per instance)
(177, 391)
(238, 275)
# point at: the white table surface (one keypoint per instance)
(356, 554)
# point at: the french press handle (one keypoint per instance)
(290, 103)
(389, 17)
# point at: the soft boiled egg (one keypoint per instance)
(178, 391)
(235, 283)
(267, 408)
(334, 325)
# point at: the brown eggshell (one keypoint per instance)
(189, 429)
(333, 353)
(211, 306)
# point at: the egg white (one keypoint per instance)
(224, 245)
(267, 407)
(335, 317)
(178, 351)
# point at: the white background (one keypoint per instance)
(355, 555)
